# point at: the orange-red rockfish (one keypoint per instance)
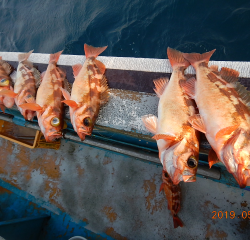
(49, 106)
(224, 115)
(89, 92)
(5, 84)
(25, 81)
(176, 139)
(173, 195)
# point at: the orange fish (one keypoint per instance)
(5, 84)
(89, 92)
(26, 79)
(173, 195)
(224, 115)
(49, 106)
(177, 141)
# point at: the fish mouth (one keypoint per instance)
(189, 178)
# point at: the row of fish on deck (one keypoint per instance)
(88, 93)
(214, 103)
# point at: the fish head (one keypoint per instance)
(50, 122)
(83, 120)
(180, 160)
(236, 156)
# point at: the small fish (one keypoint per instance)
(25, 80)
(5, 84)
(89, 92)
(49, 106)
(173, 195)
(177, 141)
(224, 115)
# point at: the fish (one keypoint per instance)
(89, 92)
(177, 141)
(49, 106)
(224, 115)
(173, 195)
(5, 84)
(26, 80)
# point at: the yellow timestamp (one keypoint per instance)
(231, 214)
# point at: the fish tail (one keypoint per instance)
(176, 58)
(196, 58)
(177, 221)
(54, 57)
(91, 51)
(24, 56)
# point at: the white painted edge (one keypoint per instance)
(129, 63)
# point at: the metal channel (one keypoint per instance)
(203, 170)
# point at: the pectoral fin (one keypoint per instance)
(225, 131)
(164, 136)
(197, 123)
(8, 93)
(71, 103)
(150, 122)
(65, 94)
(31, 106)
(212, 158)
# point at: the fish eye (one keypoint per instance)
(192, 163)
(55, 122)
(87, 121)
(3, 80)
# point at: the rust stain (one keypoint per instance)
(128, 95)
(215, 233)
(106, 160)
(152, 204)
(244, 224)
(72, 230)
(4, 190)
(206, 203)
(112, 233)
(80, 170)
(86, 220)
(110, 213)
(244, 204)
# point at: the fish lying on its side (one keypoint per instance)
(5, 84)
(25, 81)
(177, 141)
(89, 92)
(173, 195)
(224, 115)
(49, 106)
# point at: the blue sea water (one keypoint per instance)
(130, 28)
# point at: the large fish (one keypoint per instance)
(177, 141)
(173, 195)
(25, 81)
(49, 106)
(89, 92)
(5, 84)
(224, 115)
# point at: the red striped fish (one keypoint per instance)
(177, 141)
(25, 81)
(224, 115)
(89, 92)
(173, 195)
(49, 106)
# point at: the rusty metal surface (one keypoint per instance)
(118, 196)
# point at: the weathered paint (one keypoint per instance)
(114, 196)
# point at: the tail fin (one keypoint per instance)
(91, 51)
(176, 58)
(24, 56)
(196, 58)
(54, 57)
(177, 222)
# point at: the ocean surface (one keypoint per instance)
(136, 28)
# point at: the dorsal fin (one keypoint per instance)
(244, 94)
(160, 85)
(67, 85)
(229, 75)
(104, 90)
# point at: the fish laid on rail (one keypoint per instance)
(89, 92)
(49, 106)
(26, 80)
(5, 84)
(173, 195)
(224, 115)
(176, 139)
